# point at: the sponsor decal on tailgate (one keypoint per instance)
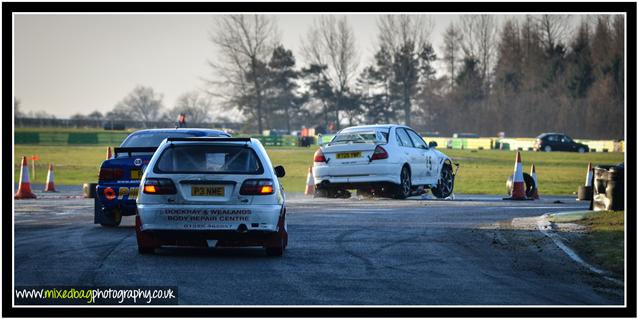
(199, 218)
(127, 193)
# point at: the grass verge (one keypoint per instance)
(603, 243)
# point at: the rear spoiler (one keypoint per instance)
(208, 139)
(130, 150)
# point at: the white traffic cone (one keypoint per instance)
(24, 189)
(533, 174)
(50, 185)
(518, 187)
(310, 183)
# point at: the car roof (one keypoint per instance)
(550, 133)
(247, 141)
(374, 126)
(210, 139)
(193, 131)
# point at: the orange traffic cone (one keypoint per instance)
(50, 186)
(24, 189)
(533, 174)
(310, 183)
(518, 187)
(108, 153)
(590, 176)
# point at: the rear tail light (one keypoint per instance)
(319, 156)
(159, 186)
(110, 174)
(379, 153)
(257, 187)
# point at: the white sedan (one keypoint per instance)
(211, 191)
(382, 160)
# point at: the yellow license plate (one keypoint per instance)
(136, 174)
(348, 155)
(207, 190)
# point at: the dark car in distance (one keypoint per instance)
(550, 142)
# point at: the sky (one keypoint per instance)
(78, 63)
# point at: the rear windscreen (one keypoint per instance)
(209, 159)
(352, 136)
(151, 139)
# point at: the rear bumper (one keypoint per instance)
(200, 219)
(231, 237)
(357, 174)
(124, 200)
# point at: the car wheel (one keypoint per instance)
(581, 150)
(405, 188)
(278, 249)
(113, 218)
(547, 148)
(445, 186)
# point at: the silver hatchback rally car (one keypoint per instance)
(211, 191)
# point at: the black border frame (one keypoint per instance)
(8, 8)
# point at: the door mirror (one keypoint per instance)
(280, 171)
(433, 144)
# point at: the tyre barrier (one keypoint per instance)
(585, 192)
(88, 190)
(609, 188)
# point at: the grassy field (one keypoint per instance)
(481, 172)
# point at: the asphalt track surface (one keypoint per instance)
(341, 252)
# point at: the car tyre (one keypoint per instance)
(547, 148)
(113, 218)
(581, 150)
(278, 249)
(445, 186)
(405, 188)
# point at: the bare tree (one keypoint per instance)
(555, 29)
(142, 104)
(452, 40)
(405, 38)
(245, 43)
(330, 42)
(194, 105)
(480, 42)
(397, 30)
